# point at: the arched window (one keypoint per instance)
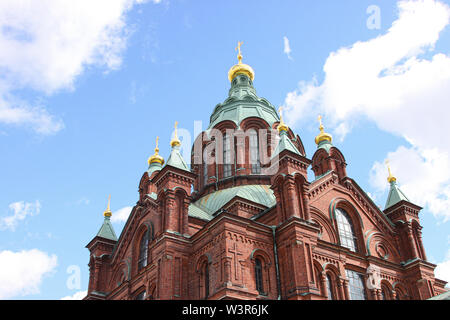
(259, 276)
(329, 287)
(356, 286)
(205, 167)
(346, 230)
(140, 296)
(254, 152)
(385, 293)
(227, 160)
(143, 250)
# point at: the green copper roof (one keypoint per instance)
(176, 160)
(395, 195)
(206, 206)
(285, 144)
(325, 144)
(107, 230)
(153, 167)
(442, 296)
(242, 103)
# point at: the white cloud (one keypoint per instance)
(79, 295)
(47, 44)
(121, 215)
(287, 47)
(397, 81)
(442, 270)
(21, 273)
(20, 211)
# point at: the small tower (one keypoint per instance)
(173, 185)
(155, 164)
(327, 157)
(405, 215)
(101, 248)
(290, 180)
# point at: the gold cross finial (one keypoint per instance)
(390, 178)
(175, 141)
(238, 48)
(282, 126)
(319, 117)
(156, 148)
(107, 212)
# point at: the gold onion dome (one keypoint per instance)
(282, 126)
(156, 158)
(322, 136)
(107, 212)
(390, 178)
(175, 141)
(240, 68)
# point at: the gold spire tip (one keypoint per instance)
(390, 178)
(240, 68)
(282, 126)
(175, 141)
(156, 157)
(322, 136)
(108, 212)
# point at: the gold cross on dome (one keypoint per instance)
(238, 48)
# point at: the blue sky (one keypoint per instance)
(86, 88)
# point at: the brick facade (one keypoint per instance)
(247, 250)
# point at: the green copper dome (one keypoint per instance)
(242, 103)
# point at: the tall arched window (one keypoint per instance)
(356, 285)
(329, 287)
(346, 230)
(254, 152)
(259, 276)
(143, 250)
(227, 160)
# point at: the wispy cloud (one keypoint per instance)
(287, 47)
(121, 215)
(20, 210)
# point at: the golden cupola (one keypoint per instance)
(322, 136)
(240, 68)
(156, 158)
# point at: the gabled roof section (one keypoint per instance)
(285, 144)
(107, 231)
(176, 160)
(395, 195)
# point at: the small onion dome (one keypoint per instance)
(107, 212)
(240, 68)
(322, 136)
(390, 178)
(175, 141)
(156, 158)
(282, 126)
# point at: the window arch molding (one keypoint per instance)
(203, 270)
(145, 230)
(386, 289)
(262, 281)
(354, 218)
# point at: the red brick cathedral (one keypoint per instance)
(245, 221)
